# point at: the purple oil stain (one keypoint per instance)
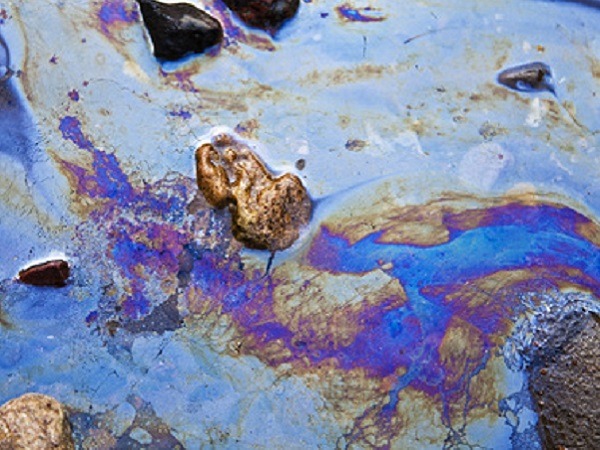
(115, 12)
(234, 34)
(70, 127)
(91, 318)
(514, 248)
(4, 17)
(367, 14)
(136, 306)
(181, 79)
(185, 115)
(104, 180)
(74, 95)
(409, 338)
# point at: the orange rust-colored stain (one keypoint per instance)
(344, 121)
(595, 67)
(411, 224)
(460, 351)
(247, 128)
(502, 48)
(339, 303)
(590, 231)
(80, 205)
(347, 394)
(424, 225)
(362, 72)
(416, 227)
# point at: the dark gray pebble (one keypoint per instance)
(530, 77)
(179, 29)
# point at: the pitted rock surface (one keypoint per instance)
(34, 421)
(267, 211)
(564, 384)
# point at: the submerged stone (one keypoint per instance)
(35, 421)
(267, 212)
(51, 273)
(269, 15)
(179, 29)
(530, 77)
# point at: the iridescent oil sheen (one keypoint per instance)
(455, 222)
(417, 313)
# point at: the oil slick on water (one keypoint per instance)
(380, 309)
(405, 316)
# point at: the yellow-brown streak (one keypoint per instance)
(329, 305)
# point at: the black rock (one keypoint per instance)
(530, 77)
(179, 29)
(267, 15)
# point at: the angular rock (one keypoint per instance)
(267, 212)
(268, 15)
(34, 421)
(179, 29)
(51, 273)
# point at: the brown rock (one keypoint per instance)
(34, 422)
(51, 273)
(269, 15)
(564, 383)
(267, 212)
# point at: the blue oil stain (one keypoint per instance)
(105, 178)
(114, 12)
(397, 340)
(185, 115)
(70, 127)
(366, 14)
(516, 236)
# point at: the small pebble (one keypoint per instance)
(530, 77)
(51, 273)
